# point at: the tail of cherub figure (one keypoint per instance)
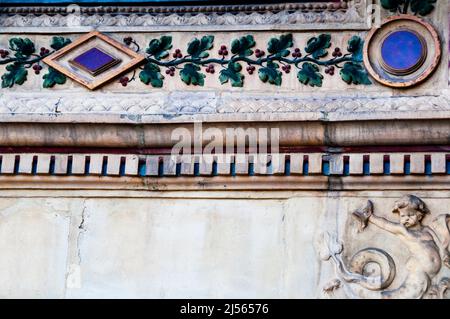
(331, 247)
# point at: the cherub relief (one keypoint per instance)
(428, 247)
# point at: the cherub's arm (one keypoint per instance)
(365, 215)
(385, 224)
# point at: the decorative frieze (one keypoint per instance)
(222, 17)
(281, 58)
(241, 50)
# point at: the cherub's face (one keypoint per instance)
(409, 217)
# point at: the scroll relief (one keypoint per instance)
(372, 272)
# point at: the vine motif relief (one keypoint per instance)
(25, 57)
(418, 7)
(160, 62)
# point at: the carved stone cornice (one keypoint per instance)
(292, 16)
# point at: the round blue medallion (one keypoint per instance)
(403, 52)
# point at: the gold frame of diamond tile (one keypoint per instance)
(81, 76)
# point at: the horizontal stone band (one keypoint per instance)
(226, 165)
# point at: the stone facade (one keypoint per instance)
(353, 203)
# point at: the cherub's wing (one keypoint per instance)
(441, 229)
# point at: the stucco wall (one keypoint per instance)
(208, 245)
